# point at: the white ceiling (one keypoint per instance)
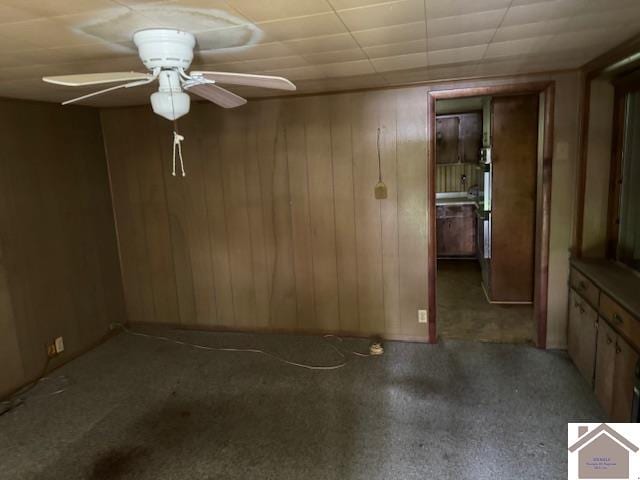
(321, 45)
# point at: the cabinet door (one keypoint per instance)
(625, 364)
(456, 231)
(582, 335)
(605, 366)
(470, 137)
(447, 140)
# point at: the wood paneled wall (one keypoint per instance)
(59, 272)
(448, 177)
(275, 226)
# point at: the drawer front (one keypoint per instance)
(620, 319)
(584, 287)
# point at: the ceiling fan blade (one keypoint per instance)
(263, 81)
(110, 89)
(84, 79)
(217, 95)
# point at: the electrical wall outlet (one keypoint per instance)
(59, 344)
(422, 316)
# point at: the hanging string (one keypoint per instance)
(379, 162)
(177, 138)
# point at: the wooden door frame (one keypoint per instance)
(543, 196)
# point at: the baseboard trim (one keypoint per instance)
(279, 330)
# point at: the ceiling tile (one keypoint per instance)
(537, 12)
(450, 8)
(344, 4)
(341, 41)
(517, 47)
(345, 69)
(279, 9)
(52, 8)
(400, 62)
(114, 25)
(252, 52)
(481, 37)
(611, 18)
(303, 27)
(362, 18)
(393, 34)
(242, 36)
(465, 23)
(299, 73)
(400, 48)
(335, 56)
(14, 14)
(527, 30)
(456, 55)
(45, 33)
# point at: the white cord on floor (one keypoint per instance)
(340, 351)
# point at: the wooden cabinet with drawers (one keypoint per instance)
(604, 339)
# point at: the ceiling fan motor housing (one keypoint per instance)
(165, 48)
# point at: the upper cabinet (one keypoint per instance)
(459, 138)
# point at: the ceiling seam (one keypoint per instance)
(477, 66)
(355, 40)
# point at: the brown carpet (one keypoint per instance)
(465, 314)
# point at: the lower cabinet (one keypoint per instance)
(603, 333)
(583, 330)
(623, 380)
(614, 373)
(605, 366)
(456, 230)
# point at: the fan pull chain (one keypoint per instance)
(177, 138)
(177, 142)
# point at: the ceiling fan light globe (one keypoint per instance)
(170, 105)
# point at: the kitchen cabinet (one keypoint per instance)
(605, 366)
(458, 138)
(447, 140)
(456, 230)
(583, 329)
(623, 380)
(604, 309)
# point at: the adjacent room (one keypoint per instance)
(319, 239)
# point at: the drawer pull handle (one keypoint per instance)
(617, 318)
(618, 349)
(609, 340)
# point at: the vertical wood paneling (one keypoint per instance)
(412, 213)
(321, 212)
(59, 273)
(261, 267)
(389, 212)
(216, 215)
(367, 212)
(296, 237)
(297, 164)
(344, 205)
(234, 152)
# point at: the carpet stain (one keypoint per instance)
(118, 463)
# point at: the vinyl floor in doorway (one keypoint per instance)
(465, 314)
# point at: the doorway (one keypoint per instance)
(487, 260)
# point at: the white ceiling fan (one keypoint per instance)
(167, 54)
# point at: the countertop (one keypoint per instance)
(454, 198)
(619, 282)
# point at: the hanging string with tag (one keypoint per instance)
(177, 138)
